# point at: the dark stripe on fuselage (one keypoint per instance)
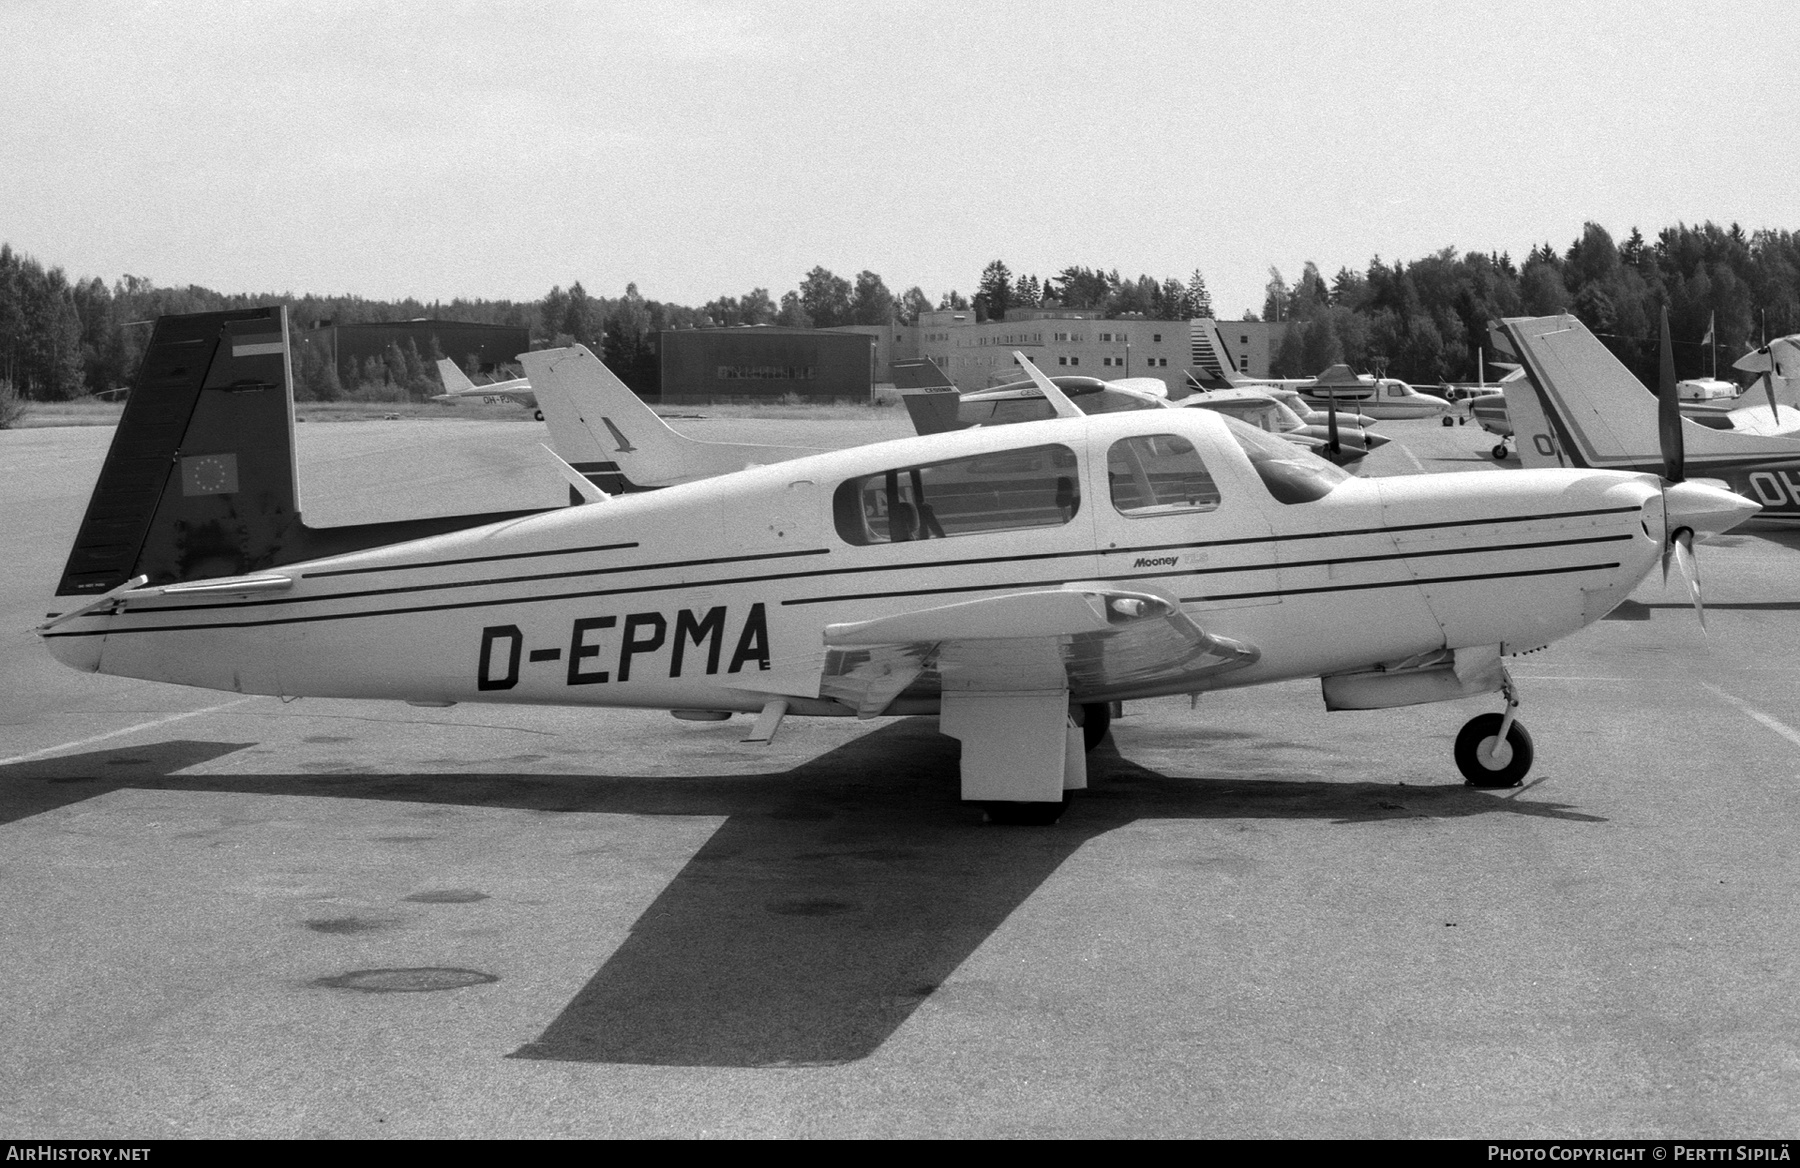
(1275, 593)
(599, 547)
(684, 584)
(1137, 549)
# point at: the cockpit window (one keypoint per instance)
(1037, 486)
(1396, 390)
(1292, 475)
(1159, 474)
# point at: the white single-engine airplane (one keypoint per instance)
(457, 384)
(1012, 580)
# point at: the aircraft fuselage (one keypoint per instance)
(716, 594)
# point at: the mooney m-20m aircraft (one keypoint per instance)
(1577, 405)
(1012, 580)
(457, 384)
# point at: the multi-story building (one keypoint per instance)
(977, 354)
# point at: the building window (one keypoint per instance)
(1038, 486)
(1062, 360)
(1156, 338)
(1074, 360)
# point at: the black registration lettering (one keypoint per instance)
(632, 644)
(580, 650)
(753, 642)
(484, 670)
(711, 628)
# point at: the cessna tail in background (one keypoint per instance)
(457, 384)
(1012, 580)
(1577, 405)
(607, 434)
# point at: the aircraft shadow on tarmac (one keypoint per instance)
(833, 900)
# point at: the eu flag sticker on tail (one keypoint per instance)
(209, 474)
(257, 345)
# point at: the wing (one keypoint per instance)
(1094, 641)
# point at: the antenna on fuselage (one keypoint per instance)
(1059, 401)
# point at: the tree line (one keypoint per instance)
(1422, 321)
(1426, 321)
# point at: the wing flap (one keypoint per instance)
(1091, 641)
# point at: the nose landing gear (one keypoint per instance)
(1494, 751)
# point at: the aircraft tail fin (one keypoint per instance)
(934, 411)
(1577, 405)
(605, 431)
(200, 478)
(1209, 361)
(454, 379)
(920, 373)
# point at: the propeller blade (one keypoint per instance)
(1769, 388)
(1668, 409)
(1331, 430)
(1690, 569)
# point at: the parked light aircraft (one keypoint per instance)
(1008, 579)
(610, 437)
(1211, 368)
(937, 409)
(457, 384)
(936, 406)
(1578, 406)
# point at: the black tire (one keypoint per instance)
(1096, 720)
(537, 415)
(1480, 729)
(1025, 814)
(1500, 452)
(1449, 421)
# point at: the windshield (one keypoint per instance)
(1292, 475)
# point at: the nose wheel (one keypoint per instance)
(1494, 751)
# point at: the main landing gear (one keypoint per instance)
(1494, 750)
(1500, 452)
(1084, 724)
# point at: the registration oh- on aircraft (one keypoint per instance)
(1011, 580)
(457, 384)
(1577, 405)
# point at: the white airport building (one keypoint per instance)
(978, 354)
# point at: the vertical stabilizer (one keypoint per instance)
(1209, 362)
(454, 379)
(200, 477)
(605, 431)
(1586, 409)
(200, 480)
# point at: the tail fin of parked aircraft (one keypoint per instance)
(920, 373)
(605, 431)
(454, 379)
(200, 480)
(1577, 405)
(1209, 362)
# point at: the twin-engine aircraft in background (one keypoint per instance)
(457, 384)
(1578, 406)
(1011, 580)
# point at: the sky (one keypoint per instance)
(700, 149)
